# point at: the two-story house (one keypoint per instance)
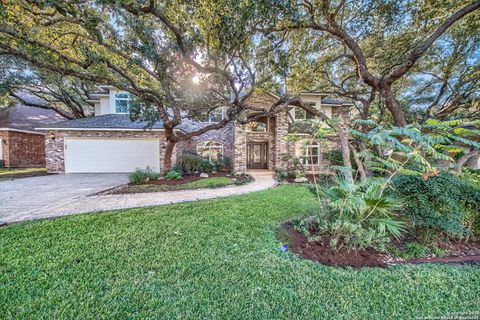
(110, 142)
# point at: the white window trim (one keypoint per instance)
(123, 99)
(294, 115)
(210, 148)
(306, 156)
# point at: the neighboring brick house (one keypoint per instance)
(21, 145)
(110, 142)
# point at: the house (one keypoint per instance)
(21, 145)
(110, 142)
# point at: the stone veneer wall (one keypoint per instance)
(22, 149)
(225, 135)
(54, 144)
(278, 129)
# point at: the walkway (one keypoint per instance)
(83, 203)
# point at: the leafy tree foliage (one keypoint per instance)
(444, 203)
(150, 49)
(362, 48)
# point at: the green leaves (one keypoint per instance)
(395, 227)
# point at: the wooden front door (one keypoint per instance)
(257, 155)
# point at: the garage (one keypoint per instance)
(111, 155)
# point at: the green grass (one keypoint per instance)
(20, 171)
(214, 182)
(216, 259)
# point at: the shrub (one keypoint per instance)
(443, 203)
(281, 174)
(227, 164)
(292, 174)
(217, 165)
(343, 234)
(358, 215)
(472, 176)
(206, 166)
(172, 175)
(190, 163)
(369, 203)
(141, 176)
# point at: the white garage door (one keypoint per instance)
(92, 155)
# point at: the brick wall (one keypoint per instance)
(22, 149)
(54, 144)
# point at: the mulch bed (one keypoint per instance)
(185, 179)
(320, 251)
(125, 189)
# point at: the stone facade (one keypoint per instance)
(225, 136)
(54, 144)
(22, 149)
(274, 137)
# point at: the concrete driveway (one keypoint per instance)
(39, 197)
(58, 195)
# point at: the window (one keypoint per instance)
(215, 115)
(261, 125)
(308, 152)
(301, 114)
(211, 150)
(122, 102)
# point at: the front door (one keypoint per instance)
(257, 155)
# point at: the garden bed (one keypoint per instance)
(187, 182)
(320, 251)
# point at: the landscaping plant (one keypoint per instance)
(143, 175)
(358, 215)
(443, 203)
(173, 175)
(190, 163)
(206, 166)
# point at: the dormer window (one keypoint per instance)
(302, 114)
(215, 115)
(123, 102)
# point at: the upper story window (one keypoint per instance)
(261, 125)
(302, 114)
(123, 102)
(215, 115)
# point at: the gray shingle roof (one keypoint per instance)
(20, 117)
(332, 101)
(106, 121)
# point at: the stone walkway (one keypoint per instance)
(84, 203)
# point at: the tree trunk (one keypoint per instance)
(358, 161)
(345, 149)
(463, 159)
(171, 142)
(392, 105)
(167, 157)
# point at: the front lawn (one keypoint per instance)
(214, 259)
(8, 173)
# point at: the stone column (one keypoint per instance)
(282, 145)
(240, 149)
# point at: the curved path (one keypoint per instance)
(18, 206)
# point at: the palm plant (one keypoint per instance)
(367, 203)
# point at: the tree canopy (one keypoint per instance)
(400, 61)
